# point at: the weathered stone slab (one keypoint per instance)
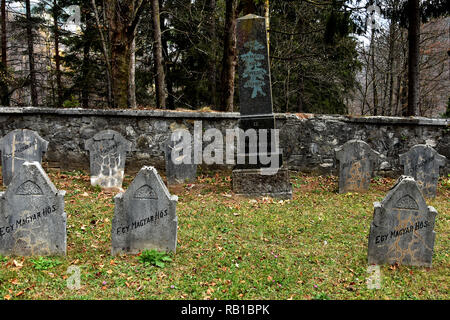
(32, 217)
(18, 146)
(108, 150)
(260, 146)
(402, 230)
(251, 183)
(145, 216)
(255, 91)
(357, 162)
(422, 163)
(176, 170)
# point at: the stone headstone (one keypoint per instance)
(256, 114)
(108, 151)
(145, 216)
(402, 230)
(176, 170)
(357, 162)
(422, 163)
(32, 217)
(17, 147)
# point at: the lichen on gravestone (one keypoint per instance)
(422, 163)
(402, 230)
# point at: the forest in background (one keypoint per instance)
(170, 54)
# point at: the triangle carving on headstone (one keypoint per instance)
(407, 202)
(29, 188)
(145, 193)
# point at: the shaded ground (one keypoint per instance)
(313, 247)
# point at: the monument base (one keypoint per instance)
(252, 183)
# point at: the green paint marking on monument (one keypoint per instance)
(253, 68)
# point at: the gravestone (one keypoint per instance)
(402, 230)
(17, 147)
(176, 170)
(32, 217)
(108, 151)
(357, 162)
(145, 216)
(422, 163)
(250, 177)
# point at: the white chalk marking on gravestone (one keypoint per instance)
(108, 150)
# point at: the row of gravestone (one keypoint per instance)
(357, 162)
(108, 153)
(33, 220)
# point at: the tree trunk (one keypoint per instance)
(157, 52)
(229, 56)
(212, 59)
(374, 78)
(33, 89)
(120, 51)
(57, 57)
(105, 54)
(392, 34)
(85, 74)
(4, 98)
(413, 57)
(301, 87)
(170, 102)
(132, 73)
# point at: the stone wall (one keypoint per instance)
(308, 141)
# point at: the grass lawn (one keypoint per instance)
(312, 247)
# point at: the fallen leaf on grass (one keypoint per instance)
(18, 264)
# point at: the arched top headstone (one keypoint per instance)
(357, 162)
(18, 146)
(108, 141)
(107, 153)
(422, 163)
